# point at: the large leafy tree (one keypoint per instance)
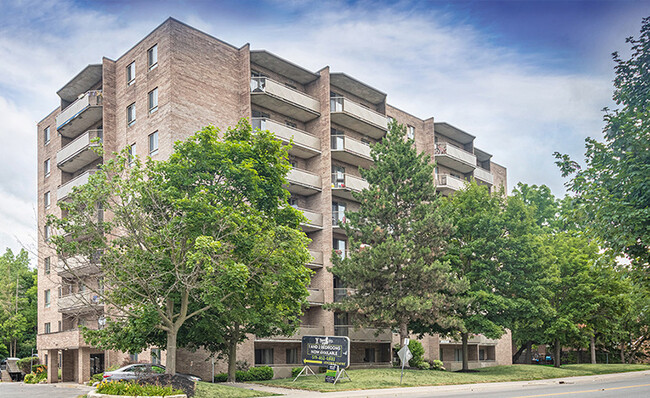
(207, 233)
(397, 239)
(17, 304)
(613, 189)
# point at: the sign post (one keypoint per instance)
(330, 351)
(404, 355)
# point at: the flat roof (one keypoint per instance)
(84, 81)
(357, 88)
(452, 132)
(282, 66)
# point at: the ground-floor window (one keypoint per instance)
(370, 355)
(133, 357)
(458, 354)
(264, 356)
(293, 355)
(481, 355)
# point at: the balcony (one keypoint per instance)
(67, 339)
(357, 117)
(343, 185)
(65, 189)
(80, 115)
(351, 151)
(340, 293)
(79, 153)
(338, 217)
(473, 339)
(282, 99)
(448, 184)
(363, 335)
(77, 266)
(304, 183)
(316, 297)
(483, 175)
(79, 303)
(317, 260)
(314, 221)
(304, 145)
(303, 330)
(454, 158)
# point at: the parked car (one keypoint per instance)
(141, 370)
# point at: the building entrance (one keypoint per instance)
(96, 363)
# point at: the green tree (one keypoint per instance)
(613, 189)
(17, 304)
(396, 239)
(190, 237)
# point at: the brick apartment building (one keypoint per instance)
(177, 80)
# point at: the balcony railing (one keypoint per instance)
(316, 296)
(338, 217)
(302, 182)
(455, 158)
(317, 259)
(80, 115)
(354, 116)
(303, 330)
(79, 302)
(363, 334)
(314, 220)
(483, 175)
(282, 99)
(304, 145)
(64, 190)
(79, 153)
(344, 184)
(448, 183)
(350, 151)
(77, 266)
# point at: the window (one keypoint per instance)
(48, 328)
(48, 298)
(130, 74)
(133, 357)
(46, 199)
(336, 102)
(46, 233)
(132, 153)
(339, 246)
(264, 356)
(338, 213)
(292, 355)
(153, 100)
(47, 266)
(60, 292)
(155, 356)
(458, 354)
(410, 132)
(153, 143)
(369, 355)
(46, 167)
(481, 354)
(290, 124)
(130, 114)
(46, 135)
(60, 327)
(338, 139)
(152, 57)
(338, 177)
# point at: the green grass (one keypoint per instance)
(364, 379)
(209, 390)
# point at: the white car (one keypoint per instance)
(139, 371)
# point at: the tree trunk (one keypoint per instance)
(521, 349)
(622, 352)
(529, 352)
(403, 333)
(593, 349)
(232, 355)
(170, 362)
(464, 337)
(558, 354)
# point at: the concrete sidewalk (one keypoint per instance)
(473, 388)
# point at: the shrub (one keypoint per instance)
(242, 365)
(436, 364)
(295, 372)
(176, 382)
(29, 378)
(253, 374)
(96, 377)
(418, 353)
(132, 388)
(424, 365)
(39, 369)
(35, 378)
(25, 364)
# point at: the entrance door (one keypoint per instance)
(96, 363)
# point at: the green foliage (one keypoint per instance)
(613, 189)
(436, 364)
(25, 364)
(35, 378)
(417, 350)
(396, 240)
(134, 389)
(253, 374)
(295, 371)
(97, 377)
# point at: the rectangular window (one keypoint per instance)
(155, 356)
(338, 177)
(370, 355)
(339, 246)
(291, 124)
(46, 135)
(458, 354)
(60, 327)
(48, 298)
(264, 356)
(292, 355)
(132, 153)
(338, 139)
(46, 167)
(46, 233)
(60, 292)
(153, 100)
(133, 357)
(48, 328)
(338, 213)
(130, 74)
(46, 199)
(130, 114)
(47, 266)
(153, 143)
(481, 355)
(410, 132)
(152, 57)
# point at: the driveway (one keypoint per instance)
(61, 390)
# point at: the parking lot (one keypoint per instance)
(62, 390)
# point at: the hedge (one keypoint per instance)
(253, 374)
(25, 364)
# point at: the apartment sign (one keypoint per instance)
(326, 351)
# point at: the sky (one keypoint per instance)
(527, 78)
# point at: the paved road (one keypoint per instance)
(63, 390)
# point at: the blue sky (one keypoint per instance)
(526, 77)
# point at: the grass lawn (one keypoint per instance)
(364, 379)
(209, 390)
